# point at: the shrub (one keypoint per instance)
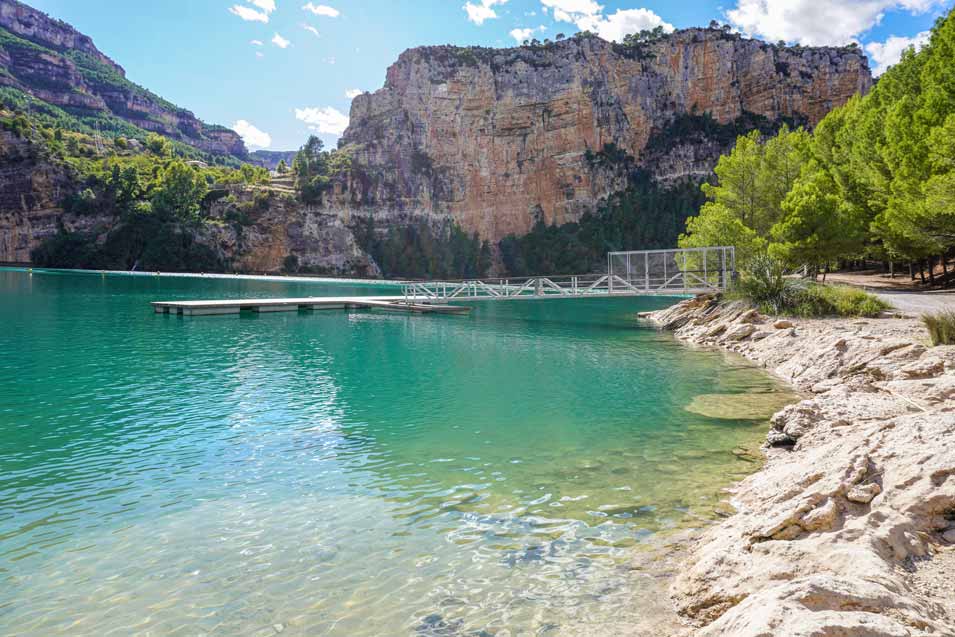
(837, 300)
(941, 327)
(765, 285)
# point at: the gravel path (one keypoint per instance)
(918, 302)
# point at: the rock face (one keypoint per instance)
(281, 227)
(846, 530)
(51, 61)
(499, 138)
(31, 189)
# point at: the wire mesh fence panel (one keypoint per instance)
(685, 271)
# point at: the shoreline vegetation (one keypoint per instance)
(849, 526)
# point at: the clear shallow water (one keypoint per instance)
(342, 473)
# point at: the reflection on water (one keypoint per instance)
(345, 473)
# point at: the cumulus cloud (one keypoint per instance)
(251, 135)
(353, 93)
(481, 11)
(266, 5)
(248, 14)
(255, 42)
(587, 15)
(280, 42)
(887, 53)
(323, 120)
(322, 10)
(524, 34)
(311, 29)
(259, 54)
(817, 22)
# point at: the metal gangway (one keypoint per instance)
(682, 271)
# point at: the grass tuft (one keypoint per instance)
(941, 327)
(766, 286)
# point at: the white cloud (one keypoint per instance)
(280, 42)
(625, 21)
(524, 34)
(251, 135)
(266, 5)
(322, 9)
(353, 93)
(817, 22)
(255, 42)
(311, 29)
(478, 13)
(323, 120)
(248, 14)
(259, 54)
(587, 15)
(887, 53)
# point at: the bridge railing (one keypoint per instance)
(644, 272)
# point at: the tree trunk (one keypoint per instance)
(931, 269)
(922, 272)
(891, 269)
(911, 271)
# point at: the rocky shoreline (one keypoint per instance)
(849, 528)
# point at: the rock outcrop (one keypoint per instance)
(848, 528)
(53, 62)
(499, 138)
(31, 192)
(276, 227)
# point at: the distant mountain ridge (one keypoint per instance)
(53, 70)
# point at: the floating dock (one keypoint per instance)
(231, 306)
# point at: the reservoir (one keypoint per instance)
(347, 473)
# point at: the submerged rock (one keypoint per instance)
(825, 534)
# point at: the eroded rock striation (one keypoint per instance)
(497, 139)
(849, 527)
(51, 61)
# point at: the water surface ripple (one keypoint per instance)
(343, 473)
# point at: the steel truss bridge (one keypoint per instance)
(636, 273)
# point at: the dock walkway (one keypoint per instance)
(236, 306)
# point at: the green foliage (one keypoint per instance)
(816, 228)
(645, 215)
(420, 251)
(765, 285)
(837, 300)
(876, 178)
(314, 168)
(747, 201)
(694, 126)
(180, 191)
(609, 156)
(941, 327)
(158, 145)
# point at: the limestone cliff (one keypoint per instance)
(50, 61)
(497, 138)
(31, 192)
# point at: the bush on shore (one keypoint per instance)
(941, 327)
(766, 286)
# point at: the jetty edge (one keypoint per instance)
(217, 307)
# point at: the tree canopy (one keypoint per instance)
(876, 178)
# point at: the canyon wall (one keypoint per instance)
(50, 61)
(496, 139)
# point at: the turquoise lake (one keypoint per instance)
(346, 473)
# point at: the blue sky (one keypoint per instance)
(279, 70)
